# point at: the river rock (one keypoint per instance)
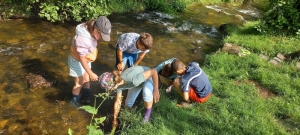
(232, 49)
(36, 81)
(278, 59)
(275, 61)
(280, 56)
(239, 17)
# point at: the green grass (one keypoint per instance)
(235, 106)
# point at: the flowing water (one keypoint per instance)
(41, 47)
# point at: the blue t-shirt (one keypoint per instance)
(195, 77)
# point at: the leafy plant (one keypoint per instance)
(71, 9)
(167, 6)
(282, 16)
(93, 127)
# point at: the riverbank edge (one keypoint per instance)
(239, 82)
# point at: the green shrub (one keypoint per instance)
(167, 6)
(281, 17)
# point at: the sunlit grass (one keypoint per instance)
(236, 106)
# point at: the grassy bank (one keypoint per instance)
(239, 104)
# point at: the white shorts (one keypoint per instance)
(75, 67)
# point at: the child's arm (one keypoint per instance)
(185, 96)
(139, 59)
(84, 64)
(120, 58)
(153, 73)
(117, 106)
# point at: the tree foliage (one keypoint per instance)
(281, 16)
(78, 10)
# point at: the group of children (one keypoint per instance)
(190, 81)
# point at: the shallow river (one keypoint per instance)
(37, 46)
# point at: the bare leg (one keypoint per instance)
(148, 104)
(117, 106)
(78, 85)
(86, 80)
(177, 85)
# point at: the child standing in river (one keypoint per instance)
(83, 52)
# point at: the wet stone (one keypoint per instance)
(36, 81)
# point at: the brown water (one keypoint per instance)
(37, 46)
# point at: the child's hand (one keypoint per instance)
(156, 96)
(94, 77)
(169, 89)
(120, 66)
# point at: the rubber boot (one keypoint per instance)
(75, 101)
(87, 95)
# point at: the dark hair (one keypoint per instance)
(176, 65)
(166, 71)
(90, 25)
(146, 40)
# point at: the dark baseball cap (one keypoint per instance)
(104, 25)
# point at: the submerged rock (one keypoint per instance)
(36, 81)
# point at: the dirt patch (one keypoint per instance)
(263, 92)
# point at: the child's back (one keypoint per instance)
(196, 78)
